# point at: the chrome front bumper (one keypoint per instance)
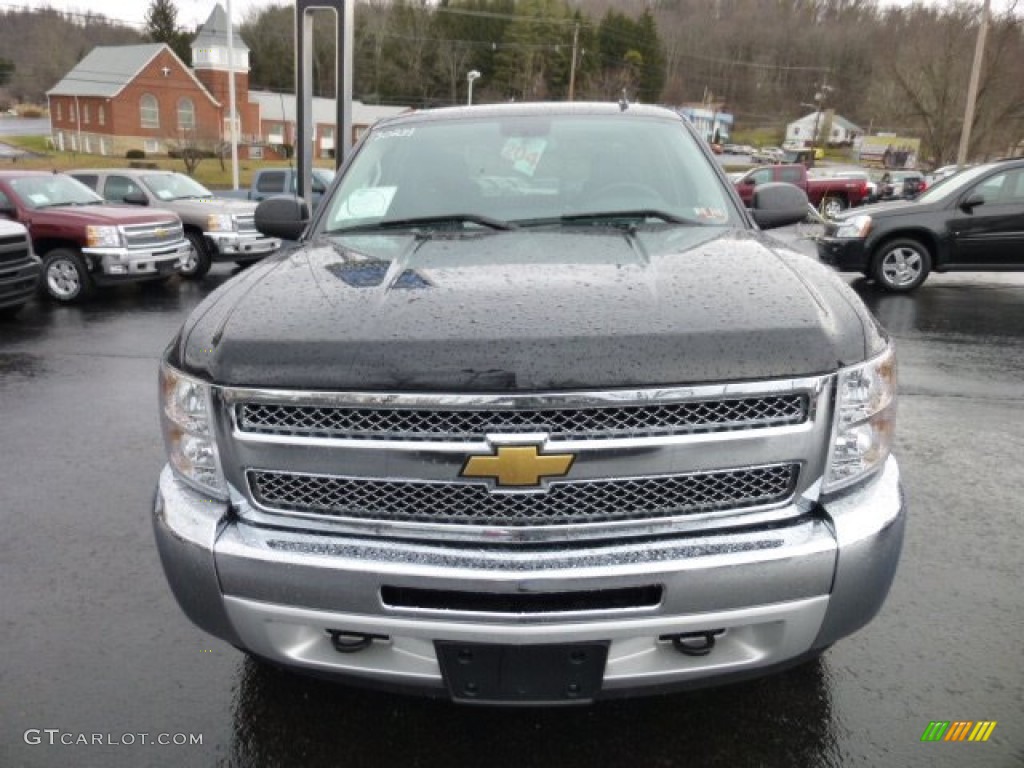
(232, 245)
(781, 593)
(115, 263)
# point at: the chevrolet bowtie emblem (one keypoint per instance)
(518, 465)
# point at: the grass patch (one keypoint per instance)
(208, 173)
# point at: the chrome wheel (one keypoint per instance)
(902, 265)
(833, 206)
(191, 261)
(62, 279)
(197, 263)
(65, 277)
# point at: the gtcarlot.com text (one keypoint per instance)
(57, 737)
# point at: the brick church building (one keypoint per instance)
(143, 97)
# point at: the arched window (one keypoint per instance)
(149, 111)
(186, 114)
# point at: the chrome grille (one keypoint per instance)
(246, 223)
(154, 235)
(459, 425)
(566, 503)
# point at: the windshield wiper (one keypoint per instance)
(628, 216)
(428, 221)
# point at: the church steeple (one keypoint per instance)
(210, 47)
(210, 58)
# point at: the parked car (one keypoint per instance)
(538, 416)
(217, 229)
(20, 268)
(973, 221)
(271, 182)
(901, 185)
(768, 155)
(942, 173)
(870, 185)
(85, 241)
(831, 195)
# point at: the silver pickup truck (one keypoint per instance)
(217, 229)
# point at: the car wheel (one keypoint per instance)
(197, 263)
(65, 276)
(902, 265)
(833, 206)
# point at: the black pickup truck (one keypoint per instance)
(533, 413)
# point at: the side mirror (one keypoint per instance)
(749, 181)
(972, 201)
(778, 204)
(283, 217)
(136, 198)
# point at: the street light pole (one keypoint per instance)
(471, 76)
(972, 89)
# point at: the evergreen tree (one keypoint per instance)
(162, 27)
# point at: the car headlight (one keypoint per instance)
(220, 222)
(188, 431)
(864, 420)
(855, 227)
(102, 237)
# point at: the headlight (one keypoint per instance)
(188, 431)
(864, 420)
(220, 222)
(102, 237)
(855, 227)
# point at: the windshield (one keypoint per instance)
(951, 186)
(46, 191)
(523, 170)
(174, 186)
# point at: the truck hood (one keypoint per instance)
(198, 207)
(100, 214)
(528, 310)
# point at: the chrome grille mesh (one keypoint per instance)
(246, 222)
(602, 422)
(164, 233)
(563, 503)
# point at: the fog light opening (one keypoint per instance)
(352, 642)
(694, 643)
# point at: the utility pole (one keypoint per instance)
(972, 89)
(572, 65)
(819, 97)
(232, 109)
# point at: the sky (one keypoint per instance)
(133, 12)
(193, 12)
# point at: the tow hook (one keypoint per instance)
(695, 643)
(351, 642)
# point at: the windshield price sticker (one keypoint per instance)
(394, 133)
(366, 203)
(524, 154)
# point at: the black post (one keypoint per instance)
(344, 24)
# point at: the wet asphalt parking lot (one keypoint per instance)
(93, 645)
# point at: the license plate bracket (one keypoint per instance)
(522, 674)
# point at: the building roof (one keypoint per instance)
(837, 120)
(214, 32)
(106, 70)
(281, 107)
